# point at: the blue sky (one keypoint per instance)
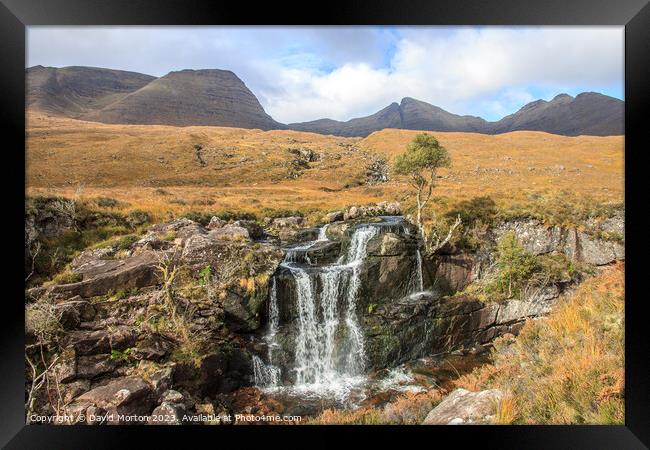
(307, 73)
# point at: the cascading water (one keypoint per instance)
(417, 279)
(329, 346)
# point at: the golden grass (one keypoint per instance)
(154, 167)
(567, 368)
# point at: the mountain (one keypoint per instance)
(219, 98)
(190, 97)
(588, 113)
(74, 91)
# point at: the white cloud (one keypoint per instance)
(307, 73)
(491, 70)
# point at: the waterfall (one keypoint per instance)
(320, 360)
(329, 344)
(417, 279)
(265, 375)
(268, 375)
(322, 233)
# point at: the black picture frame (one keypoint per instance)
(15, 15)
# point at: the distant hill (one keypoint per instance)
(589, 113)
(219, 98)
(190, 97)
(74, 91)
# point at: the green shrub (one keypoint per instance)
(125, 242)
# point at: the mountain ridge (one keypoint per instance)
(220, 98)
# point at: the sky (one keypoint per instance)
(308, 73)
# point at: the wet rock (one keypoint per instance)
(337, 231)
(389, 244)
(465, 407)
(325, 252)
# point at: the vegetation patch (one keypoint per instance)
(566, 368)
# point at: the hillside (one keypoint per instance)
(588, 113)
(190, 97)
(74, 91)
(156, 167)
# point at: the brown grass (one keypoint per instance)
(567, 368)
(154, 167)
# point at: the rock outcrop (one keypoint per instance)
(463, 407)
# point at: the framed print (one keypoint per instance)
(379, 220)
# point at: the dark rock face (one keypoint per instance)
(424, 324)
(190, 97)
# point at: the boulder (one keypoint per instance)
(74, 311)
(215, 223)
(152, 347)
(390, 208)
(335, 216)
(167, 414)
(74, 389)
(126, 395)
(288, 222)
(465, 407)
(92, 342)
(230, 232)
(324, 252)
(66, 367)
(93, 366)
(255, 231)
(103, 276)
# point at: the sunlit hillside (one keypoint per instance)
(157, 168)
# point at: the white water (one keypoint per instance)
(329, 347)
(268, 375)
(419, 278)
